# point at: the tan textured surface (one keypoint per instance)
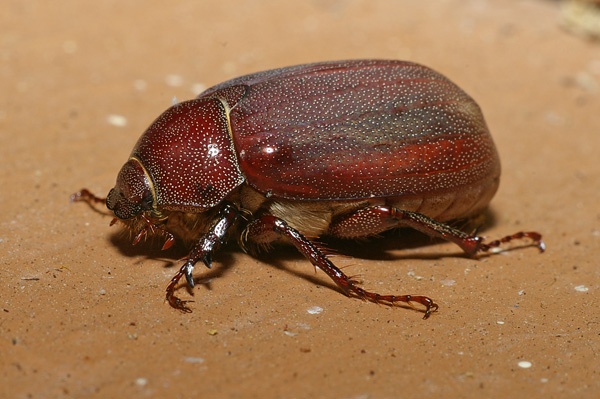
(83, 313)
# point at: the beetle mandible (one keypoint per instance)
(344, 149)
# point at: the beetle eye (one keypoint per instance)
(147, 201)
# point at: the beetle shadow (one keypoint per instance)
(398, 244)
(174, 257)
(383, 247)
(392, 245)
(279, 255)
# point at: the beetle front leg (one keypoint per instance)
(376, 219)
(268, 228)
(86, 195)
(203, 250)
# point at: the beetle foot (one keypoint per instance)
(430, 306)
(535, 237)
(170, 292)
(86, 195)
(178, 303)
(427, 302)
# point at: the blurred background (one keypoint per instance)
(83, 312)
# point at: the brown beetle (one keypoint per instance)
(344, 149)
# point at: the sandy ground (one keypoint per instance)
(83, 313)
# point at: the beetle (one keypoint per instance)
(345, 149)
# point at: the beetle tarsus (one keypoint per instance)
(86, 195)
(430, 308)
(535, 237)
(170, 292)
(427, 302)
(179, 304)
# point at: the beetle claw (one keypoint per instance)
(189, 268)
(207, 259)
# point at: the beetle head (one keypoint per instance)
(133, 193)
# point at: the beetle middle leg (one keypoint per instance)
(376, 219)
(268, 228)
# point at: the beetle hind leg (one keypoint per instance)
(376, 219)
(269, 228)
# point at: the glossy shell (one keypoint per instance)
(357, 129)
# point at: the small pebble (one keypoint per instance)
(524, 364)
(191, 359)
(581, 288)
(140, 84)
(117, 120)
(174, 80)
(314, 310)
(413, 275)
(141, 381)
